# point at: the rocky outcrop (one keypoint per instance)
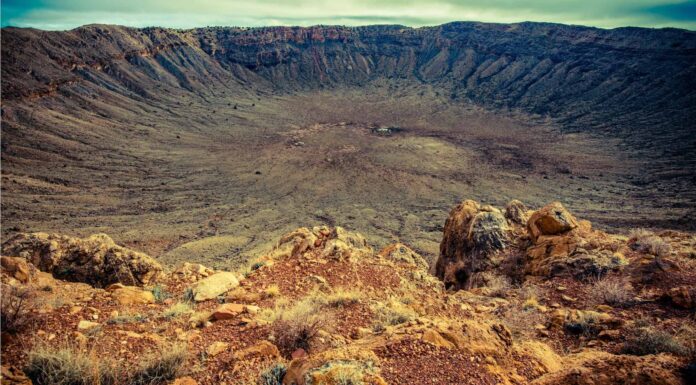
(323, 242)
(562, 245)
(401, 253)
(472, 237)
(600, 368)
(96, 260)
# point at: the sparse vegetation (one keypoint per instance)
(614, 292)
(273, 375)
(159, 367)
(177, 310)
(646, 241)
(15, 309)
(272, 291)
(296, 327)
(393, 312)
(67, 365)
(159, 293)
(643, 339)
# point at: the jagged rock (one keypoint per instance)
(472, 236)
(400, 253)
(516, 212)
(213, 286)
(96, 260)
(11, 375)
(551, 219)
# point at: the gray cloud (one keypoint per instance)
(66, 14)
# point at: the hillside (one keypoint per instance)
(520, 297)
(209, 144)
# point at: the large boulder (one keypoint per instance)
(96, 260)
(552, 219)
(213, 286)
(473, 236)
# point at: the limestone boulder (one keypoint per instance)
(213, 286)
(130, 295)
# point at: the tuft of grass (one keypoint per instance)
(161, 366)
(273, 375)
(646, 241)
(159, 293)
(177, 310)
(188, 295)
(66, 365)
(393, 312)
(200, 318)
(272, 291)
(612, 292)
(588, 325)
(643, 340)
(341, 297)
(14, 309)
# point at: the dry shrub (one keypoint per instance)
(614, 292)
(643, 340)
(272, 291)
(522, 323)
(67, 365)
(392, 312)
(297, 326)
(159, 367)
(647, 242)
(14, 311)
(273, 375)
(177, 310)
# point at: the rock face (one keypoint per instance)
(96, 260)
(472, 236)
(401, 253)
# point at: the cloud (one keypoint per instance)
(66, 14)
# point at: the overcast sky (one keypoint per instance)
(67, 14)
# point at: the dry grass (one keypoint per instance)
(392, 312)
(643, 340)
(272, 291)
(273, 375)
(126, 319)
(614, 292)
(14, 311)
(646, 241)
(67, 365)
(200, 318)
(159, 367)
(177, 310)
